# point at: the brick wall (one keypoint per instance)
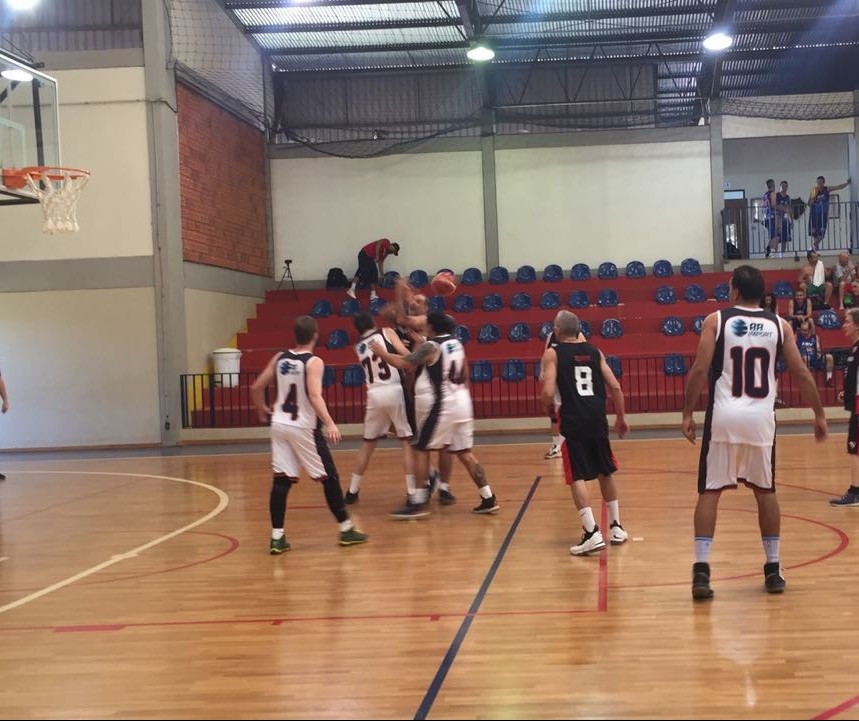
(222, 174)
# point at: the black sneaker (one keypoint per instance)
(487, 505)
(351, 498)
(701, 590)
(411, 510)
(446, 498)
(2, 477)
(432, 482)
(773, 580)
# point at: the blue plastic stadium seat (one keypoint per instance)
(665, 295)
(498, 275)
(828, 320)
(376, 305)
(526, 274)
(513, 370)
(471, 276)
(550, 300)
(463, 304)
(489, 333)
(635, 269)
(663, 269)
(389, 280)
(722, 292)
(353, 376)
(546, 329)
(690, 267)
(481, 371)
(611, 328)
(580, 272)
(614, 363)
(321, 309)
(578, 299)
(337, 339)
(783, 289)
(492, 302)
(607, 298)
(674, 365)
(672, 325)
(349, 308)
(462, 333)
(586, 328)
(607, 271)
(553, 273)
(698, 324)
(328, 376)
(520, 301)
(435, 303)
(519, 333)
(694, 293)
(419, 279)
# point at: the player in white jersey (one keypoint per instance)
(298, 419)
(448, 423)
(388, 402)
(738, 350)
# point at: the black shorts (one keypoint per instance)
(853, 434)
(368, 272)
(587, 458)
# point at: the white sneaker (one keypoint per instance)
(351, 294)
(553, 452)
(590, 543)
(616, 534)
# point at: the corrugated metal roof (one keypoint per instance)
(354, 38)
(299, 15)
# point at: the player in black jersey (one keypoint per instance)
(580, 374)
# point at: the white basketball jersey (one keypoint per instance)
(743, 379)
(293, 406)
(447, 375)
(378, 375)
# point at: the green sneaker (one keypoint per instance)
(352, 537)
(276, 547)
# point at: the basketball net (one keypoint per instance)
(58, 195)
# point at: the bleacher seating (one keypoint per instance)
(553, 274)
(526, 274)
(607, 298)
(471, 276)
(463, 303)
(672, 325)
(498, 275)
(520, 301)
(694, 293)
(419, 279)
(492, 303)
(663, 269)
(607, 271)
(635, 269)
(580, 272)
(690, 267)
(349, 308)
(550, 300)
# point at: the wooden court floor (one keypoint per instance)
(142, 588)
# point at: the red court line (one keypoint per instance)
(602, 597)
(835, 710)
(72, 500)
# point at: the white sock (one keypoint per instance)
(771, 548)
(613, 512)
(486, 491)
(444, 486)
(587, 516)
(828, 375)
(702, 548)
(410, 483)
(353, 286)
(347, 525)
(557, 440)
(276, 534)
(419, 496)
(373, 295)
(355, 483)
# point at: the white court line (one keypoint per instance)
(223, 501)
(4, 558)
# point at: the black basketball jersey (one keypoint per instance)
(582, 390)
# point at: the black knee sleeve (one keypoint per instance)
(334, 498)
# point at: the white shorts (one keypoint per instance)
(294, 448)
(385, 407)
(723, 465)
(451, 427)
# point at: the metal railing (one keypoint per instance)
(500, 389)
(746, 231)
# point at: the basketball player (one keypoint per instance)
(554, 420)
(578, 371)
(850, 397)
(738, 349)
(448, 423)
(4, 407)
(387, 402)
(298, 419)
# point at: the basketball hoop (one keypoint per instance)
(57, 189)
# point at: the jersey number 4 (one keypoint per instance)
(290, 405)
(746, 363)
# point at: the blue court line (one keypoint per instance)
(450, 656)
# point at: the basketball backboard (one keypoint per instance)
(29, 123)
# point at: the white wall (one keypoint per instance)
(326, 209)
(748, 162)
(745, 127)
(80, 368)
(608, 202)
(102, 129)
(211, 321)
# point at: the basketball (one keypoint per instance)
(443, 283)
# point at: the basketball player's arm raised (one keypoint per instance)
(698, 374)
(422, 355)
(800, 372)
(263, 380)
(549, 376)
(315, 370)
(620, 424)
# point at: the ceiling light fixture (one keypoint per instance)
(718, 41)
(22, 4)
(17, 75)
(480, 52)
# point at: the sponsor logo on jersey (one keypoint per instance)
(755, 329)
(285, 367)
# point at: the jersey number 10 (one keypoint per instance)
(746, 362)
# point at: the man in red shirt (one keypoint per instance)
(371, 264)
